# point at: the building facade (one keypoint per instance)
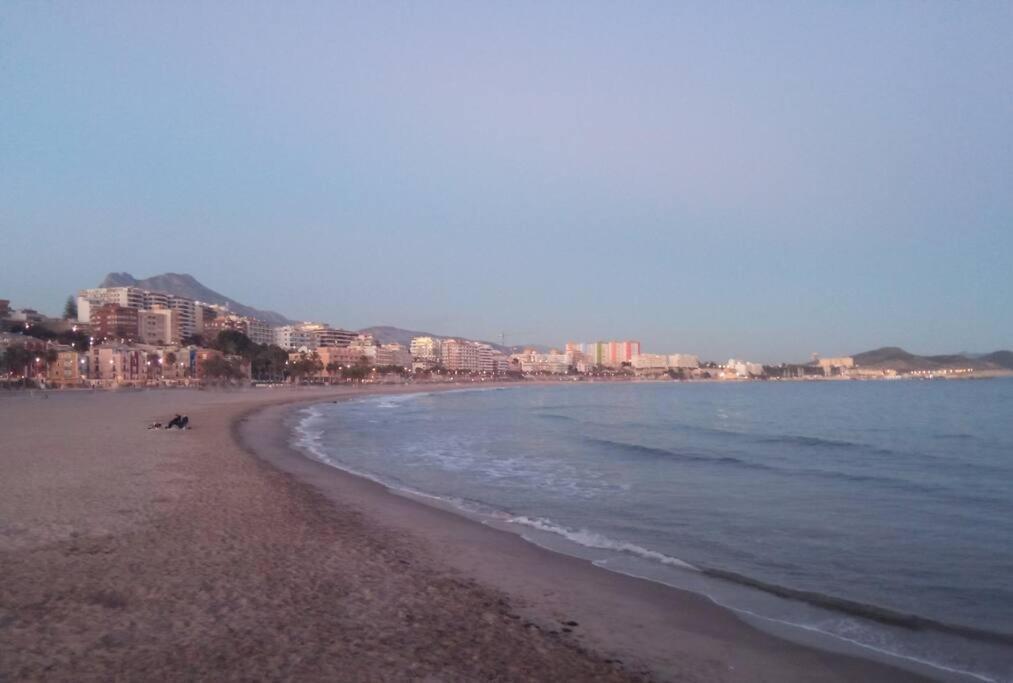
(113, 321)
(158, 326)
(426, 349)
(291, 337)
(459, 356)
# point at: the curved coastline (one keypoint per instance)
(435, 523)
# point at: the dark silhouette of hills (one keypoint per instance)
(896, 358)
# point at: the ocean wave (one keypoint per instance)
(816, 442)
(641, 450)
(883, 615)
(590, 539)
(553, 416)
(833, 475)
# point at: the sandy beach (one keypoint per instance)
(219, 553)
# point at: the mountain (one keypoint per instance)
(182, 284)
(1003, 359)
(896, 358)
(386, 334)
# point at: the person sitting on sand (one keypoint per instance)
(180, 421)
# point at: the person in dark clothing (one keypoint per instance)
(178, 421)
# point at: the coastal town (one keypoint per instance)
(129, 336)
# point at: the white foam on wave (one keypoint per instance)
(591, 539)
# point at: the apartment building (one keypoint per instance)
(293, 337)
(113, 321)
(553, 363)
(88, 300)
(426, 349)
(608, 353)
(683, 360)
(459, 355)
(325, 335)
(158, 326)
(393, 354)
(70, 368)
(116, 364)
(259, 331)
(187, 313)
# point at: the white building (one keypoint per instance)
(89, 299)
(649, 361)
(293, 337)
(553, 363)
(426, 348)
(743, 369)
(683, 360)
(259, 331)
(325, 335)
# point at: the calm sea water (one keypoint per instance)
(876, 513)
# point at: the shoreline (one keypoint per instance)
(132, 554)
(517, 555)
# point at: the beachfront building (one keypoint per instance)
(116, 364)
(188, 311)
(259, 331)
(620, 352)
(204, 314)
(325, 335)
(459, 355)
(738, 369)
(650, 361)
(837, 366)
(188, 314)
(426, 349)
(683, 361)
(337, 355)
(552, 363)
(393, 354)
(113, 321)
(366, 347)
(67, 368)
(88, 300)
(158, 326)
(294, 337)
(608, 353)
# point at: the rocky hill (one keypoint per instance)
(896, 358)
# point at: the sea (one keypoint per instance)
(873, 517)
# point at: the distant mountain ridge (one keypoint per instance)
(896, 358)
(387, 334)
(185, 285)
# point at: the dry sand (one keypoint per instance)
(128, 554)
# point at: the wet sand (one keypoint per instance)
(219, 553)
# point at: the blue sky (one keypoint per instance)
(762, 180)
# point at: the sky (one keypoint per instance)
(757, 180)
